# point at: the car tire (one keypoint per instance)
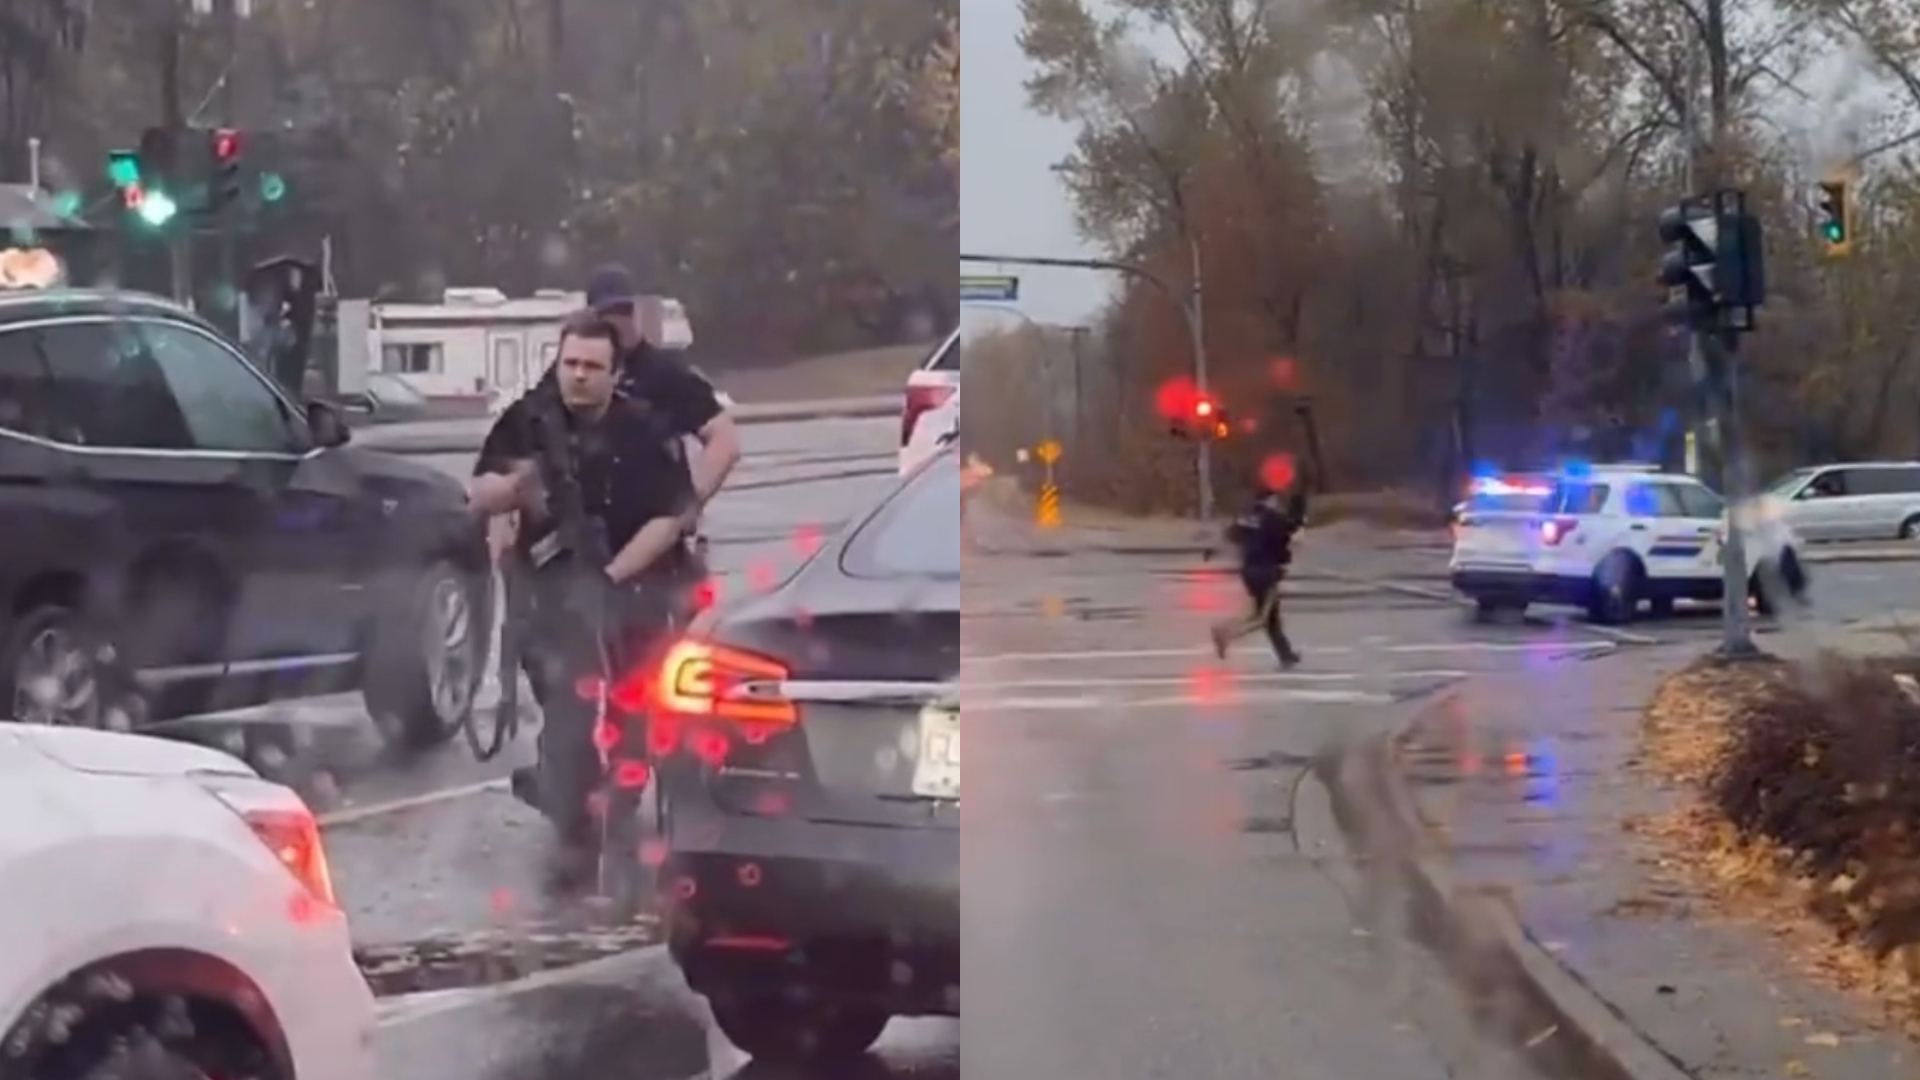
(1617, 586)
(28, 633)
(138, 1039)
(417, 696)
(1489, 608)
(1910, 528)
(810, 1031)
(1791, 577)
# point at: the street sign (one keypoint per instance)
(1048, 452)
(1001, 288)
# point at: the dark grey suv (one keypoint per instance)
(166, 507)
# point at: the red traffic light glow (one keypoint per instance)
(226, 144)
(1203, 408)
(133, 195)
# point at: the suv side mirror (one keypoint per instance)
(329, 427)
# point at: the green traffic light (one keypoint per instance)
(272, 188)
(157, 208)
(123, 169)
(1833, 232)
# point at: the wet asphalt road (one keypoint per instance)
(1143, 894)
(471, 858)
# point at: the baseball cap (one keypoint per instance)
(610, 290)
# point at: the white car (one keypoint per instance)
(937, 430)
(168, 913)
(936, 383)
(1612, 537)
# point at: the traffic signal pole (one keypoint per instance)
(1719, 354)
(1715, 270)
(1196, 328)
(1189, 303)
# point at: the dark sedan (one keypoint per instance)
(809, 754)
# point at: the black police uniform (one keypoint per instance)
(1264, 537)
(631, 469)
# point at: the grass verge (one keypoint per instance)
(1803, 807)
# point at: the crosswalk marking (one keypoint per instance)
(1330, 650)
(1236, 678)
(1224, 699)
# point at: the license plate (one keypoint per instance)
(936, 774)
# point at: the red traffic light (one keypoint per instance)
(226, 144)
(1203, 408)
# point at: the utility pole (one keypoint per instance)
(173, 119)
(229, 115)
(1736, 630)
(1195, 314)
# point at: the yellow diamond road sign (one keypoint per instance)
(1048, 452)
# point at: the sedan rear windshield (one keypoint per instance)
(916, 533)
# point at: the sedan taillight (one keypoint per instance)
(920, 400)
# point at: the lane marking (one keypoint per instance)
(1342, 650)
(1236, 678)
(348, 815)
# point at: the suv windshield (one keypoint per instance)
(1788, 482)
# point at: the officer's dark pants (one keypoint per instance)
(562, 646)
(1263, 588)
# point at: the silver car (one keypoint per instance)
(1868, 500)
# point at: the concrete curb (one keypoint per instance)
(1822, 555)
(1543, 1007)
(370, 438)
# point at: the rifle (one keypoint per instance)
(556, 460)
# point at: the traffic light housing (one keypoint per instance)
(1690, 268)
(1206, 418)
(223, 174)
(1833, 208)
(159, 157)
(1714, 267)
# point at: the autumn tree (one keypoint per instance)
(1460, 263)
(786, 169)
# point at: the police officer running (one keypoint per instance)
(630, 471)
(1264, 537)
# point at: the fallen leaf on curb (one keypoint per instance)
(1823, 1038)
(1796, 1067)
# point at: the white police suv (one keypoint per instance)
(1608, 538)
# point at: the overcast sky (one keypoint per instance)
(1011, 203)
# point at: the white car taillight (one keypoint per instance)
(284, 824)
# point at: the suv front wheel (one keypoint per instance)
(426, 657)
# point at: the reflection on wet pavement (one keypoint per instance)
(625, 1019)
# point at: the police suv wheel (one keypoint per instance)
(1616, 591)
(427, 657)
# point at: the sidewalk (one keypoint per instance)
(1529, 788)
